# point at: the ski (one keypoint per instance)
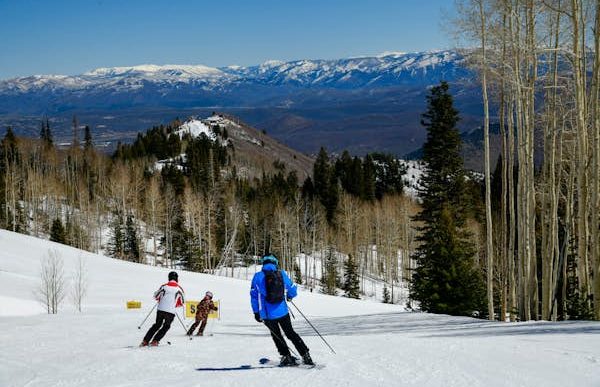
(265, 361)
(168, 343)
(239, 368)
(263, 364)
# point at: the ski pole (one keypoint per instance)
(312, 326)
(182, 324)
(292, 313)
(148, 315)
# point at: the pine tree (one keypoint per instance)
(117, 241)
(387, 299)
(297, 274)
(131, 247)
(88, 142)
(330, 279)
(58, 232)
(46, 134)
(577, 305)
(75, 122)
(351, 281)
(368, 187)
(445, 279)
(326, 184)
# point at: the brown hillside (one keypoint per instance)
(255, 152)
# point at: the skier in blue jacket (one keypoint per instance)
(269, 291)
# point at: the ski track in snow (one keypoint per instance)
(376, 344)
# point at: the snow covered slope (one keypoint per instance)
(376, 344)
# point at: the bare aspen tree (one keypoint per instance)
(595, 212)
(52, 290)
(486, 141)
(550, 241)
(578, 53)
(80, 283)
(154, 210)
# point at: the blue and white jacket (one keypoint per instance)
(258, 293)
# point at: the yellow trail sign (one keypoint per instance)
(190, 309)
(134, 304)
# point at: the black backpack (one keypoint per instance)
(274, 286)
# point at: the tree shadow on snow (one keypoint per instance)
(429, 325)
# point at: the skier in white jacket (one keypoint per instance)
(169, 296)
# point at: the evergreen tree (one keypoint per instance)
(445, 279)
(368, 186)
(9, 147)
(186, 247)
(321, 174)
(117, 242)
(75, 122)
(88, 142)
(326, 184)
(577, 304)
(131, 247)
(387, 299)
(46, 134)
(389, 173)
(297, 274)
(330, 279)
(58, 232)
(351, 281)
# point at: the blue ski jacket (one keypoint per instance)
(258, 293)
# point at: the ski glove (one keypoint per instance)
(257, 317)
(289, 299)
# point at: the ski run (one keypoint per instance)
(376, 344)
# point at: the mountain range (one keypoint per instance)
(361, 104)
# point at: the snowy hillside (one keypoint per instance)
(254, 153)
(376, 344)
(195, 128)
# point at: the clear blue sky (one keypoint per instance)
(74, 36)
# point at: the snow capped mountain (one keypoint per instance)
(382, 70)
(303, 103)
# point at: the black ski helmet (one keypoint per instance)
(173, 276)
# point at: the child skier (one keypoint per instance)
(169, 296)
(202, 311)
(269, 290)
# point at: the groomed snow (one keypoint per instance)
(376, 344)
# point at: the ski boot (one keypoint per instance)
(306, 359)
(144, 343)
(288, 361)
(154, 343)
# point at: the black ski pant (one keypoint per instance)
(286, 325)
(160, 327)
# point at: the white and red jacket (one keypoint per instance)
(169, 297)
